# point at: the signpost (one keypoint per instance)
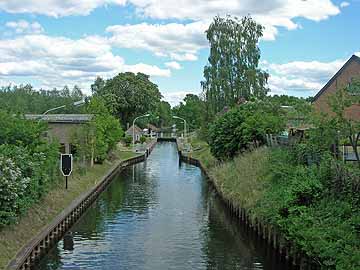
(66, 166)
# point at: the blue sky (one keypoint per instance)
(51, 43)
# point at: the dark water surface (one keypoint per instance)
(160, 215)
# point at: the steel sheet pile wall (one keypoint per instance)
(40, 244)
(267, 232)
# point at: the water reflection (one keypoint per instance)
(159, 215)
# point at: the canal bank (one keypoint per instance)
(43, 224)
(283, 198)
(268, 233)
(160, 214)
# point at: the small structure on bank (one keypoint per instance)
(153, 131)
(62, 126)
(342, 79)
(137, 133)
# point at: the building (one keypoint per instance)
(153, 131)
(137, 132)
(62, 126)
(350, 70)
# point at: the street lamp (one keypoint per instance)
(177, 117)
(133, 125)
(76, 103)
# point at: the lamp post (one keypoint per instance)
(177, 117)
(76, 103)
(133, 125)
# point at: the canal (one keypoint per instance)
(160, 214)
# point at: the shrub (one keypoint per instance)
(12, 189)
(128, 140)
(242, 127)
(28, 165)
(142, 139)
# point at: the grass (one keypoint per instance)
(14, 237)
(201, 151)
(242, 180)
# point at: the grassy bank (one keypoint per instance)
(13, 237)
(313, 209)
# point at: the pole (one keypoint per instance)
(185, 130)
(134, 131)
(145, 115)
(66, 182)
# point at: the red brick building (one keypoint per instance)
(350, 70)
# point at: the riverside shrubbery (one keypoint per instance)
(244, 127)
(28, 165)
(313, 209)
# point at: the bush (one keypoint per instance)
(142, 139)
(13, 187)
(28, 164)
(243, 127)
(304, 204)
(128, 140)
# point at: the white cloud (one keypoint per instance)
(173, 65)
(344, 4)
(148, 69)
(175, 40)
(305, 78)
(56, 61)
(174, 98)
(182, 41)
(55, 8)
(270, 13)
(24, 27)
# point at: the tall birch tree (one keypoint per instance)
(232, 73)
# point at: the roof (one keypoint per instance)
(352, 58)
(152, 127)
(137, 129)
(60, 118)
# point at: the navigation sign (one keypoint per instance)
(66, 166)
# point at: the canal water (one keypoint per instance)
(160, 214)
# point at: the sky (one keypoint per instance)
(52, 43)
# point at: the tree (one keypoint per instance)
(100, 136)
(128, 95)
(192, 109)
(76, 93)
(243, 127)
(98, 85)
(164, 114)
(232, 72)
(25, 99)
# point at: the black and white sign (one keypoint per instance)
(66, 164)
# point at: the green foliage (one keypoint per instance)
(128, 140)
(232, 72)
(243, 127)
(142, 139)
(162, 116)
(346, 125)
(25, 99)
(101, 135)
(193, 110)
(28, 165)
(128, 95)
(304, 203)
